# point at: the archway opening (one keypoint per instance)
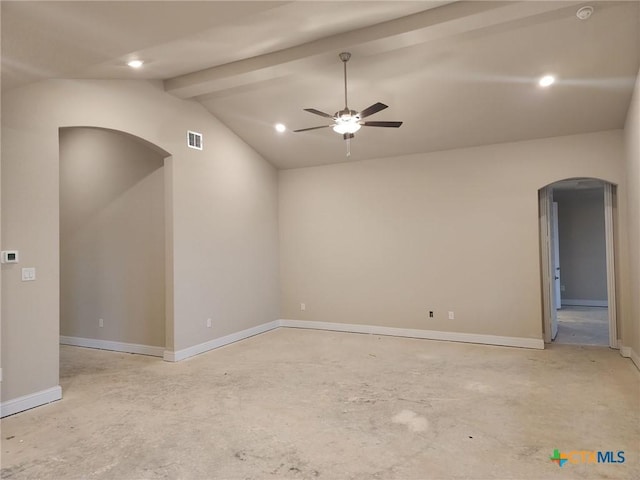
(113, 269)
(578, 262)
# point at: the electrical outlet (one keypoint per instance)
(562, 288)
(208, 323)
(430, 313)
(451, 316)
(101, 323)
(303, 307)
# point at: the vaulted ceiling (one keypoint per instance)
(458, 74)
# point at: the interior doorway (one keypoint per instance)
(112, 242)
(583, 325)
(578, 268)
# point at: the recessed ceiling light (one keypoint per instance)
(280, 127)
(547, 80)
(584, 12)
(135, 63)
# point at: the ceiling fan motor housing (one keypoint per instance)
(346, 114)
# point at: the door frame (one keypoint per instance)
(549, 318)
(555, 260)
(549, 314)
(609, 232)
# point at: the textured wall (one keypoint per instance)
(220, 213)
(583, 264)
(382, 242)
(112, 231)
(632, 145)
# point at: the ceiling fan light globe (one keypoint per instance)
(346, 127)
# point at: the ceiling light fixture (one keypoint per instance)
(347, 124)
(347, 121)
(584, 12)
(280, 127)
(135, 63)
(547, 80)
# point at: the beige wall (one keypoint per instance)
(382, 242)
(583, 263)
(1, 245)
(112, 232)
(632, 146)
(378, 242)
(222, 210)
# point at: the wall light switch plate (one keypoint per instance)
(451, 316)
(28, 274)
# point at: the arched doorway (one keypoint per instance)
(114, 289)
(577, 246)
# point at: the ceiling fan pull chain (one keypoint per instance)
(348, 147)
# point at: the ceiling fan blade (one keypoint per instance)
(318, 112)
(382, 124)
(311, 128)
(375, 108)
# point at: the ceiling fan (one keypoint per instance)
(346, 121)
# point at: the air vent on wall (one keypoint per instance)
(194, 140)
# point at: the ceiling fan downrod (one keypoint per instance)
(345, 56)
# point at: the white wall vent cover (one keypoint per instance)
(194, 140)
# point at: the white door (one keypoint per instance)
(555, 241)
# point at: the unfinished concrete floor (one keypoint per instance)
(583, 325)
(303, 404)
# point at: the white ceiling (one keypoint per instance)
(458, 74)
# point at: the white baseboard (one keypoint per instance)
(522, 342)
(32, 400)
(629, 352)
(568, 302)
(219, 342)
(114, 346)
